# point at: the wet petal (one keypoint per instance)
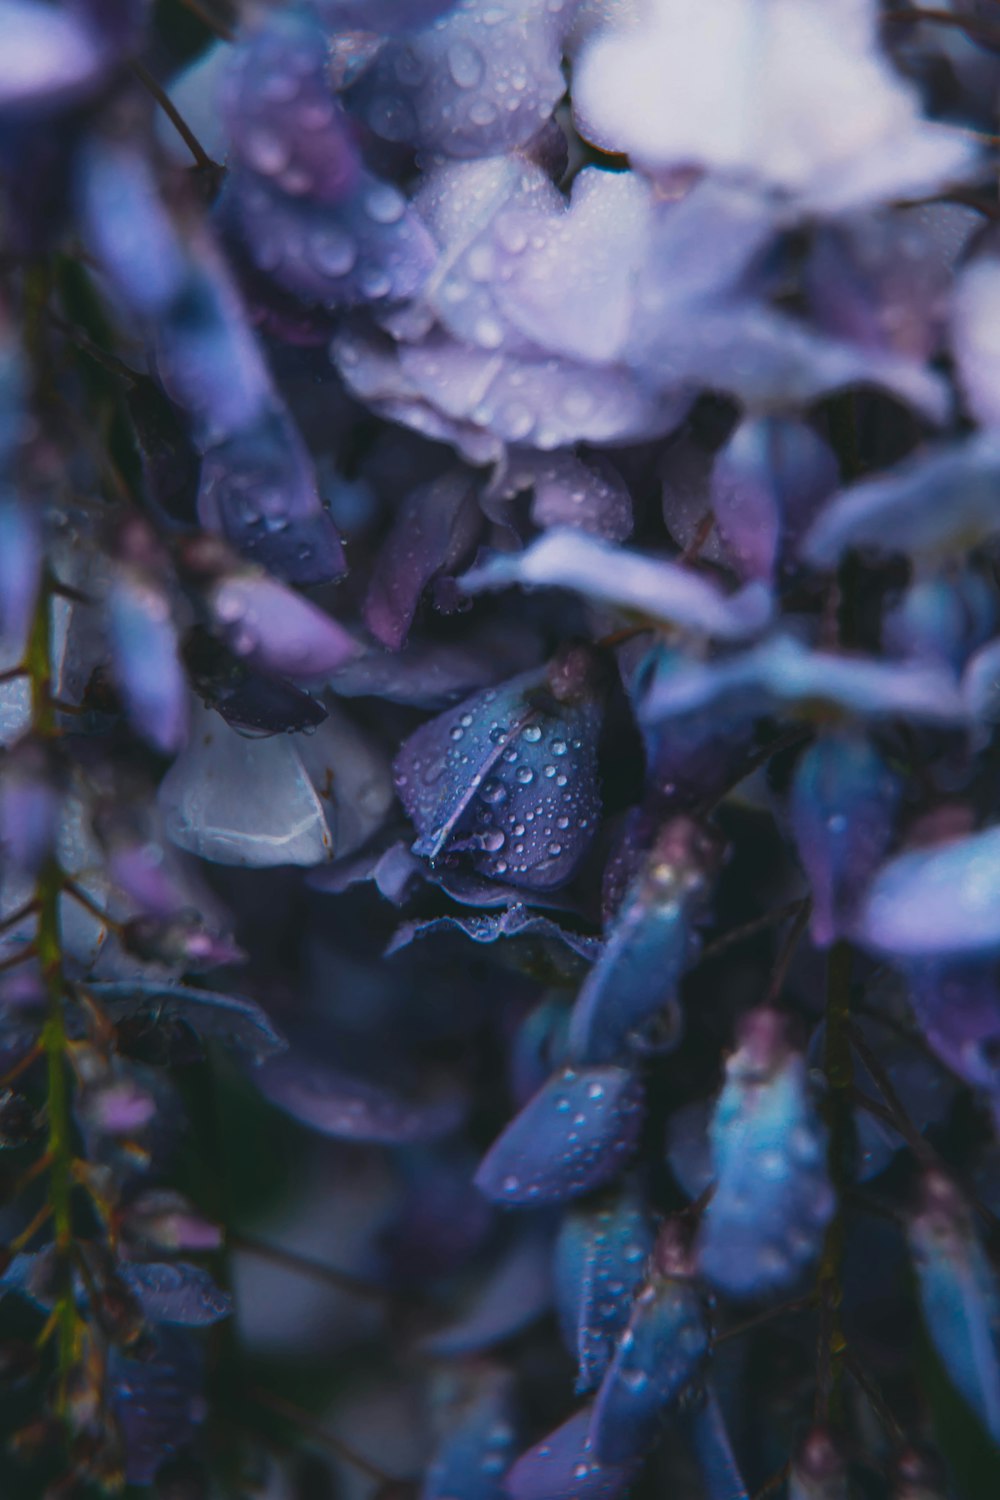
(176, 1292)
(564, 1466)
(651, 587)
(478, 1445)
(146, 660)
(513, 922)
(772, 1202)
(236, 1022)
(352, 1109)
(937, 901)
(432, 531)
(276, 629)
(510, 776)
(843, 809)
(158, 1401)
(958, 1294)
(575, 1134)
(600, 1263)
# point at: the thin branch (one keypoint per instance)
(28, 909)
(874, 1397)
(302, 1265)
(321, 1435)
(202, 159)
(759, 1320)
(749, 929)
(788, 949)
(214, 23)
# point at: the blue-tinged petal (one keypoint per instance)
(956, 1004)
(689, 1152)
(385, 16)
(782, 673)
(176, 1292)
(564, 1466)
(934, 504)
(600, 1263)
(237, 1023)
(353, 1109)
(127, 227)
(767, 482)
(710, 1439)
(478, 1441)
(539, 1046)
(515, 1292)
(657, 1358)
(158, 1400)
(509, 777)
(942, 619)
(20, 571)
(843, 809)
(240, 801)
(981, 687)
(576, 1134)
(958, 1294)
(798, 99)
(975, 306)
(772, 1201)
(650, 944)
(432, 531)
(934, 902)
(433, 674)
(145, 658)
(651, 587)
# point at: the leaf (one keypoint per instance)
(176, 1292)
(235, 1022)
(353, 1109)
(575, 1134)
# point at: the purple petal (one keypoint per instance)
(176, 1292)
(769, 478)
(146, 660)
(975, 308)
(652, 587)
(513, 922)
(843, 809)
(165, 1220)
(657, 1357)
(772, 1202)
(958, 1294)
(432, 532)
(574, 1135)
(600, 1263)
(957, 1007)
(564, 1466)
(785, 672)
(158, 1401)
(352, 1109)
(51, 57)
(568, 491)
(128, 229)
(470, 778)
(276, 629)
(237, 1023)
(515, 1293)
(931, 505)
(943, 620)
(672, 92)
(937, 901)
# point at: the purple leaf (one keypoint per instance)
(650, 587)
(600, 1263)
(772, 1201)
(235, 1022)
(933, 902)
(510, 775)
(353, 1109)
(843, 810)
(958, 1294)
(576, 1134)
(176, 1292)
(651, 942)
(432, 531)
(564, 1466)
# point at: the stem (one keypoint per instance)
(321, 1435)
(837, 1064)
(303, 1266)
(173, 114)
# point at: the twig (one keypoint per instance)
(749, 929)
(214, 24)
(306, 1267)
(791, 943)
(797, 1304)
(321, 1435)
(202, 159)
(874, 1397)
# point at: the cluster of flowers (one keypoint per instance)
(522, 479)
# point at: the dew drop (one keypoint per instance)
(465, 64)
(532, 734)
(525, 775)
